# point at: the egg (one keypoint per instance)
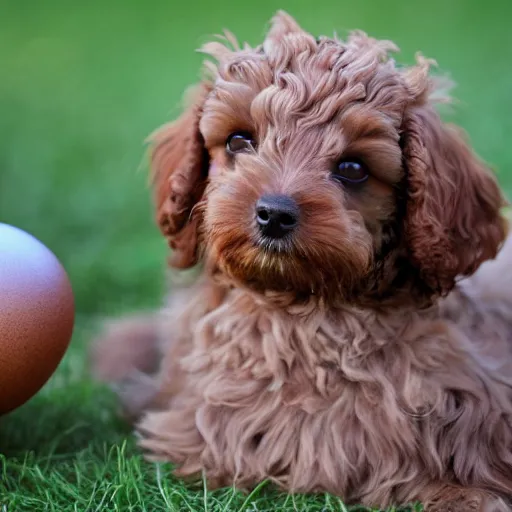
(37, 315)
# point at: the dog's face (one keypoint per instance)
(314, 166)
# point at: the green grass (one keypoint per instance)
(80, 88)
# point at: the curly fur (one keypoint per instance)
(371, 355)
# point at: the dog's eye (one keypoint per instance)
(240, 142)
(350, 171)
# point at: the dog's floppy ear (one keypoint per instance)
(453, 220)
(179, 170)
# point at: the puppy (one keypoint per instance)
(350, 330)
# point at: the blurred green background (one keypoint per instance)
(83, 83)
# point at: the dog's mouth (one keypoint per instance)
(268, 265)
(275, 246)
(303, 255)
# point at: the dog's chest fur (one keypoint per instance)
(248, 338)
(271, 384)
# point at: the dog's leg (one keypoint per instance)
(459, 499)
(125, 345)
(126, 356)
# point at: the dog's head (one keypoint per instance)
(311, 165)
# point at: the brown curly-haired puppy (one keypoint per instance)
(338, 338)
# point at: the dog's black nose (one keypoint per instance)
(276, 215)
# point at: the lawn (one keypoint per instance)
(81, 85)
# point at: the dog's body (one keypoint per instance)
(335, 351)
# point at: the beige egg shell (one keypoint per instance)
(37, 314)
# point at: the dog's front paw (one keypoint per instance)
(170, 436)
(473, 504)
(455, 499)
